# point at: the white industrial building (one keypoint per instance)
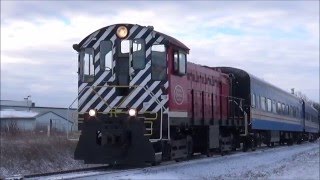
(25, 116)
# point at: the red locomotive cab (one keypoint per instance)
(197, 94)
(178, 84)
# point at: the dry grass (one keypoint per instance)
(28, 153)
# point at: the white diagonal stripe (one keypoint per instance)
(113, 38)
(112, 91)
(113, 103)
(82, 86)
(97, 70)
(144, 30)
(151, 101)
(166, 84)
(94, 98)
(88, 92)
(148, 52)
(104, 35)
(149, 37)
(133, 29)
(145, 94)
(159, 39)
(138, 76)
(159, 105)
(135, 91)
(154, 98)
(89, 39)
(96, 58)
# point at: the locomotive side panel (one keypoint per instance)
(224, 97)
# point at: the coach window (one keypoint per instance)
(158, 62)
(257, 101)
(283, 108)
(274, 107)
(253, 100)
(279, 108)
(269, 106)
(263, 103)
(87, 64)
(138, 54)
(106, 60)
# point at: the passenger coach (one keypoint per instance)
(274, 115)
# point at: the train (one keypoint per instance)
(141, 101)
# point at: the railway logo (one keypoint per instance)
(178, 94)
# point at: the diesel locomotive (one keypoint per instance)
(141, 101)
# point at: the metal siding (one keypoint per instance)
(273, 125)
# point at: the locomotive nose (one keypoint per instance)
(120, 140)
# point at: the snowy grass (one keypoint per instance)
(29, 153)
(284, 162)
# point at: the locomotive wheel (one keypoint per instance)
(166, 154)
(268, 144)
(155, 163)
(209, 154)
(253, 143)
(245, 146)
(189, 147)
(222, 152)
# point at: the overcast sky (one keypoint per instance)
(276, 41)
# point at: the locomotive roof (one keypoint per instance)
(168, 39)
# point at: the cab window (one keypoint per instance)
(138, 54)
(158, 62)
(106, 60)
(180, 63)
(125, 46)
(87, 64)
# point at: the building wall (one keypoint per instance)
(21, 124)
(53, 121)
(30, 106)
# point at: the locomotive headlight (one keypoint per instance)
(122, 32)
(92, 112)
(132, 112)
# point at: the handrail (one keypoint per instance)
(245, 116)
(105, 102)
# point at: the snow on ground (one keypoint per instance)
(287, 162)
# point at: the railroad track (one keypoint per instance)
(106, 169)
(38, 175)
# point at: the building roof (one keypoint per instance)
(11, 113)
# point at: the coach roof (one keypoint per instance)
(167, 39)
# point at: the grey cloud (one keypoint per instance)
(53, 80)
